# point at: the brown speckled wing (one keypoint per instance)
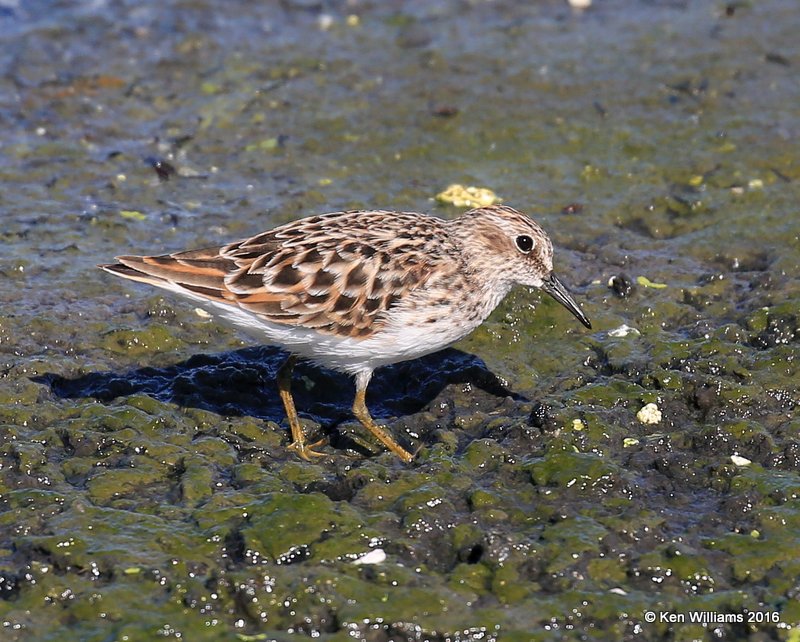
(337, 273)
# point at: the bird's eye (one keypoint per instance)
(524, 243)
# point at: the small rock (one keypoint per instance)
(621, 284)
(650, 414)
(468, 196)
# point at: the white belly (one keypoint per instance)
(397, 341)
(405, 335)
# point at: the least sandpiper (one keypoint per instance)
(358, 290)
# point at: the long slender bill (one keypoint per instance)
(559, 292)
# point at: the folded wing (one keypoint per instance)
(337, 273)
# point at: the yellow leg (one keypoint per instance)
(298, 437)
(362, 414)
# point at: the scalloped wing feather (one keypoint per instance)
(336, 273)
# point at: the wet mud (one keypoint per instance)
(145, 487)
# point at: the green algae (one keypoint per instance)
(570, 539)
(139, 342)
(566, 469)
(304, 523)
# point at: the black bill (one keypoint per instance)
(556, 289)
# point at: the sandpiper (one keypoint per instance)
(358, 290)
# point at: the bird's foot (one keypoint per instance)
(307, 451)
(389, 442)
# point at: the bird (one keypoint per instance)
(357, 290)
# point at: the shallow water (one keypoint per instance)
(144, 486)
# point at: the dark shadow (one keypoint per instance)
(242, 382)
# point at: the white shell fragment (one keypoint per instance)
(738, 460)
(623, 331)
(376, 556)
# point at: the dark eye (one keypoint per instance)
(525, 243)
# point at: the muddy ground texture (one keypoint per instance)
(145, 488)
